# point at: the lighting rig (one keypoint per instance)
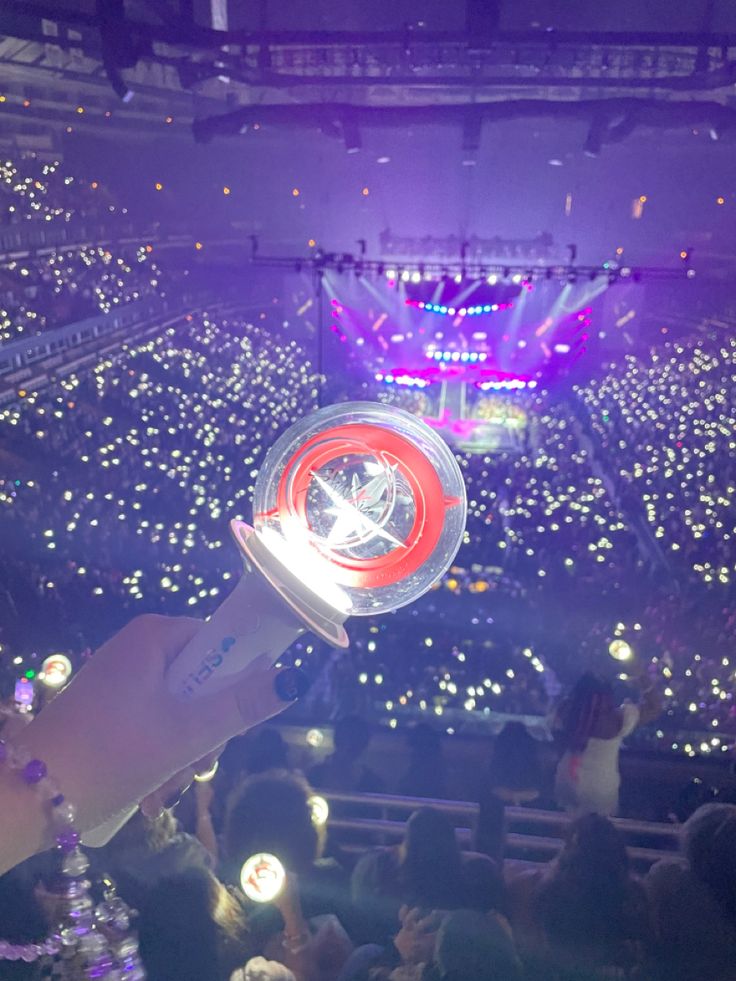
(395, 271)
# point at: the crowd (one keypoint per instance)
(70, 285)
(54, 288)
(619, 493)
(162, 442)
(36, 189)
(418, 909)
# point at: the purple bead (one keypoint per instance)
(56, 801)
(34, 771)
(3, 752)
(68, 839)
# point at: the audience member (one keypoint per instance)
(514, 777)
(192, 929)
(425, 774)
(693, 901)
(343, 769)
(591, 727)
(145, 851)
(426, 871)
(586, 911)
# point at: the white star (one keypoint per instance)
(350, 520)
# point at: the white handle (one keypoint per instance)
(252, 621)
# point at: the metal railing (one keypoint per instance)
(384, 827)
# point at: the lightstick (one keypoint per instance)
(56, 670)
(319, 810)
(358, 509)
(262, 877)
(620, 650)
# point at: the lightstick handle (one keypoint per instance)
(254, 620)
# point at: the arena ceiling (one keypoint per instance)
(336, 67)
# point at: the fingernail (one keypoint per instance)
(290, 684)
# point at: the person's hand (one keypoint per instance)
(416, 939)
(204, 794)
(116, 734)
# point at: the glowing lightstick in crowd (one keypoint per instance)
(359, 508)
(620, 650)
(319, 810)
(56, 670)
(262, 877)
(208, 774)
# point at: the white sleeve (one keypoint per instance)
(630, 713)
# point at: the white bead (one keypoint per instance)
(64, 813)
(75, 863)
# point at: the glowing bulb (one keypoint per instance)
(315, 738)
(208, 774)
(320, 810)
(56, 670)
(262, 877)
(620, 650)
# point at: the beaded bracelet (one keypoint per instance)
(94, 941)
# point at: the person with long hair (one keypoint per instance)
(425, 872)
(590, 727)
(588, 910)
(693, 900)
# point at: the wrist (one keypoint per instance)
(296, 942)
(25, 829)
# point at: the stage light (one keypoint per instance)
(492, 279)
(390, 274)
(516, 278)
(472, 124)
(416, 277)
(451, 311)
(458, 278)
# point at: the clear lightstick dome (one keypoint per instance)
(363, 496)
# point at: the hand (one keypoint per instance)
(116, 734)
(416, 939)
(204, 794)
